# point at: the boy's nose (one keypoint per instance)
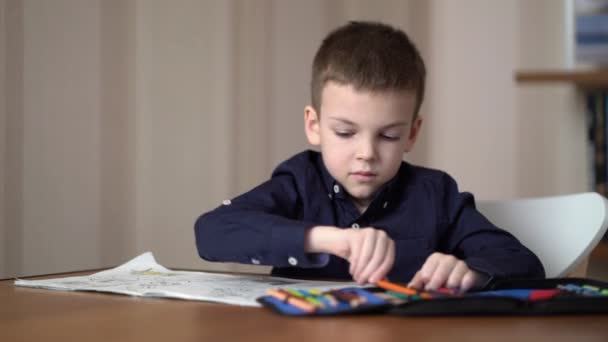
(366, 150)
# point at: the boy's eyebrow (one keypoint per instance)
(348, 122)
(396, 124)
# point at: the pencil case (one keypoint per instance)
(501, 297)
(515, 297)
(310, 302)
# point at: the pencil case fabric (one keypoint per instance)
(502, 297)
(300, 302)
(516, 297)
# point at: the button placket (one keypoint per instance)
(292, 261)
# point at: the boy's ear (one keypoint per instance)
(311, 125)
(413, 135)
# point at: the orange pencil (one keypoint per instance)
(387, 285)
(292, 300)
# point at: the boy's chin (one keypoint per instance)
(362, 195)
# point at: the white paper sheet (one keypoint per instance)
(143, 276)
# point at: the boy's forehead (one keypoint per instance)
(344, 100)
(333, 89)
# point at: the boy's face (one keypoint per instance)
(362, 136)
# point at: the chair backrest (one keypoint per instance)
(561, 230)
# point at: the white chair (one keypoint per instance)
(561, 230)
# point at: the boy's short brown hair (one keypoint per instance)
(369, 56)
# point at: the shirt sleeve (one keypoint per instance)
(484, 247)
(260, 227)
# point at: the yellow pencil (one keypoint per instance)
(332, 301)
(305, 297)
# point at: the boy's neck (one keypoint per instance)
(361, 207)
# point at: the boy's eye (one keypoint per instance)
(390, 137)
(344, 134)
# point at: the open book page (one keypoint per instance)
(143, 276)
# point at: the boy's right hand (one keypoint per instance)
(371, 254)
(370, 251)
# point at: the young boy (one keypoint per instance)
(356, 210)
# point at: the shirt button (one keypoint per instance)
(385, 205)
(355, 225)
(226, 202)
(330, 196)
(292, 261)
(336, 188)
(255, 261)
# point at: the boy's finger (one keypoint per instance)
(355, 249)
(416, 281)
(365, 254)
(442, 272)
(356, 245)
(354, 257)
(428, 268)
(455, 278)
(468, 280)
(386, 265)
(352, 266)
(377, 258)
(437, 280)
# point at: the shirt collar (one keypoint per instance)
(333, 187)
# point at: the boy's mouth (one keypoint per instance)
(363, 176)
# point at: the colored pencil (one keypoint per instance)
(387, 285)
(291, 299)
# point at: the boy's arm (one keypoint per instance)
(260, 227)
(481, 245)
(369, 251)
(491, 250)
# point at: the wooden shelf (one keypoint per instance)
(583, 78)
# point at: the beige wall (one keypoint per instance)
(10, 132)
(65, 134)
(471, 112)
(60, 136)
(185, 118)
(500, 139)
(552, 126)
(219, 128)
(122, 121)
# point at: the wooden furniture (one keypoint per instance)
(44, 315)
(581, 78)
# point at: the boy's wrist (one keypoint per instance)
(325, 239)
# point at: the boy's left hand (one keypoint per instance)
(444, 270)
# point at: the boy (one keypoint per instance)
(356, 210)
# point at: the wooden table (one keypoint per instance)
(43, 315)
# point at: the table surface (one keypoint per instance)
(43, 315)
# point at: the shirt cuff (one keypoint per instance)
(288, 247)
(482, 266)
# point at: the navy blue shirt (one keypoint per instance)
(421, 209)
